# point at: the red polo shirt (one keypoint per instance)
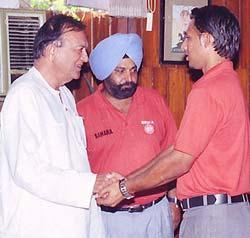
(215, 130)
(124, 143)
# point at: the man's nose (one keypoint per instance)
(84, 56)
(184, 45)
(129, 75)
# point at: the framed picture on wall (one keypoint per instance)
(175, 17)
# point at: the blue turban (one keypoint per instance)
(109, 52)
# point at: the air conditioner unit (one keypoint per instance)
(18, 28)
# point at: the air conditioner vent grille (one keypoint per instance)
(22, 31)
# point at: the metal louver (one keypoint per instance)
(21, 32)
(18, 28)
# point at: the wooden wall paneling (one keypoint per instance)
(118, 24)
(177, 92)
(173, 81)
(160, 81)
(100, 28)
(113, 25)
(86, 19)
(146, 77)
(151, 40)
(97, 28)
(122, 25)
(244, 76)
(188, 84)
(151, 49)
(132, 25)
(140, 26)
(234, 6)
(218, 2)
(84, 91)
(245, 34)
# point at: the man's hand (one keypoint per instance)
(104, 180)
(110, 195)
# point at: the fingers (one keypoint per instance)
(104, 180)
(116, 176)
(99, 183)
(110, 195)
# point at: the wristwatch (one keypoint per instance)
(123, 189)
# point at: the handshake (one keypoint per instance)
(107, 189)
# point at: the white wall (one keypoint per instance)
(9, 3)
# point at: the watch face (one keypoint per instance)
(123, 189)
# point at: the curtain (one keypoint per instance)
(123, 8)
(96, 4)
(128, 8)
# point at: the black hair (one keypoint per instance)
(222, 25)
(52, 29)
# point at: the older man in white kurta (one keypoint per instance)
(45, 181)
(45, 176)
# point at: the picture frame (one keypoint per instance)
(175, 17)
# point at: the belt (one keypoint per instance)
(213, 199)
(131, 209)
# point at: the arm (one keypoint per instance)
(169, 166)
(33, 165)
(166, 167)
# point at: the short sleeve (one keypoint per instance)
(199, 122)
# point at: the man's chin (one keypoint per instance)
(76, 75)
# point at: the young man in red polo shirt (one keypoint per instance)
(211, 152)
(126, 126)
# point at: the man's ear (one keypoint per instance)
(51, 51)
(202, 40)
(206, 40)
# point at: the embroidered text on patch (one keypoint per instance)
(103, 133)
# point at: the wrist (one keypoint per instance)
(124, 190)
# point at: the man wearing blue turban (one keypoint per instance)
(126, 126)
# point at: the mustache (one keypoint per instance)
(127, 85)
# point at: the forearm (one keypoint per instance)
(166, 167)
(151, 163)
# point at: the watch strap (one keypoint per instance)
(123, 189)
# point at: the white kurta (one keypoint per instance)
(45, 179)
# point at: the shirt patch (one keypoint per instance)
(103, 133)
(149, 127)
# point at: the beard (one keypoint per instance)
(120, 91)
